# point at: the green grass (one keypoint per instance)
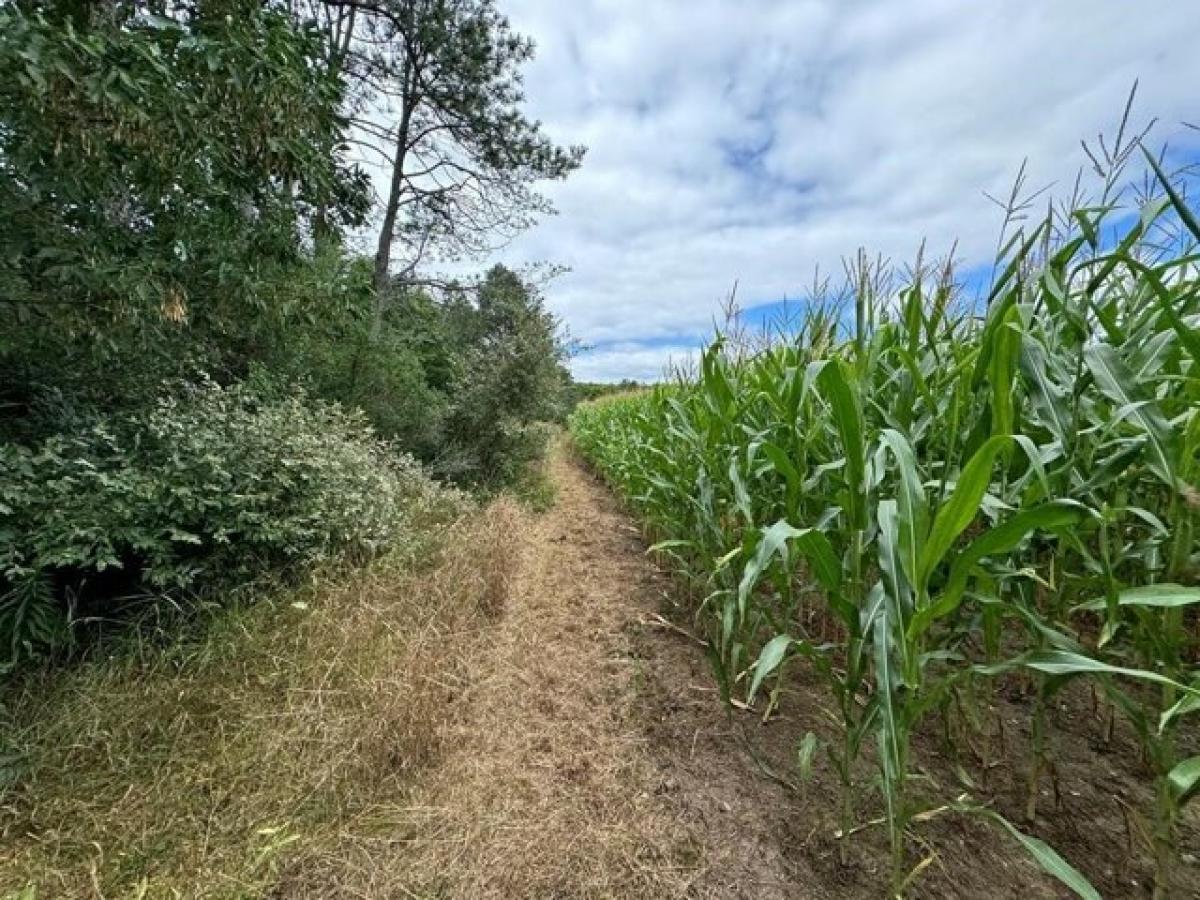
(535, 490)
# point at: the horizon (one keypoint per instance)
(754, 149)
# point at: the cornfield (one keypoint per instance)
(914, 498)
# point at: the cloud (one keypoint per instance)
(615, 362)
(751, 141)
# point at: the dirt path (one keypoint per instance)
(592, 757)
(595, 761)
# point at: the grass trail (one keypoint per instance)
(592, 758)
(595, 761)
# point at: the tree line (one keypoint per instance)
(183, 195)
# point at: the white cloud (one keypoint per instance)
(737, 140)
(633, 360)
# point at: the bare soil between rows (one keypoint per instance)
(594, 759)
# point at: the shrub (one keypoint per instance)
(205, 489)
(513, 381)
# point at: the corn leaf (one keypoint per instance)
(1117, 382)
(1184, 780)
(961, 507)
(1045, 856)
(1051, 516)
(1164, 596)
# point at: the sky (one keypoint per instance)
(751, 141)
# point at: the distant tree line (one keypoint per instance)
(582, 391)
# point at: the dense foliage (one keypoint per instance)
(200, 382)
(157, 178)
(208, 487)
(944, 496)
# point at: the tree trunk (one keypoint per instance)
(387, 231)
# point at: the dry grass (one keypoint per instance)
(548, 788)
(268, 758)
(477, 728)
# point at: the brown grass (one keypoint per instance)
(293, 730)
(546, 788)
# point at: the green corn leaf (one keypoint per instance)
(1108, 265)
(1049, 397)
(1185, 214)
(912, 305)
(889, 554)
(864, 627)
(1060, 662)
(1185, 705)
(782, 463)
(715, 380)
(741, 496)
(774, 542)
(920, 382)
(1117, 383)
(1037, 468)
(899, 595)
(769, 659)
(1087, 226)
(1167, 302)
(820, 555)
(1052, 516)
(1184, 780)
(773, 654)
(1109, 469)
(890, 738)
(1014, 264)
(1165, 596)
(960, 508)
(1045, 855)
(1002, 366)
(913, 521)
(1147, 360)
(1052, 636)
(847, 415)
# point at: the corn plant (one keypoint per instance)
(913, 493)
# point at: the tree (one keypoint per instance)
(159, 163)
(513, 377)
(437, 97)
(173, 180)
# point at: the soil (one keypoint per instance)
(593, 758)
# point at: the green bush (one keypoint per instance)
(513, 382)
(206, 489)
